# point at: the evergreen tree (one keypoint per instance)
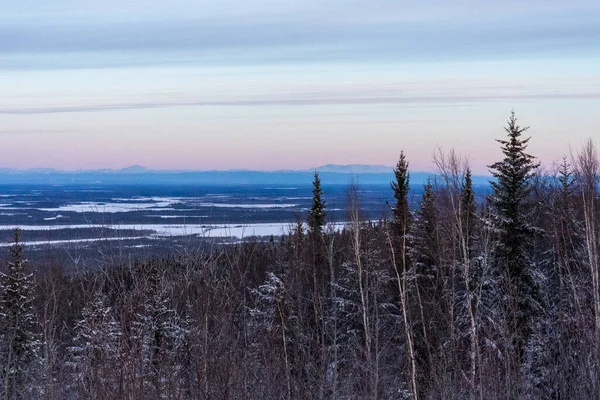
(160, 335)
(150, 331)
(468, 208)
(270, 321)
(399, 245)
(428, 283)
(317, 214)
(297, 236)
(95, 350)
(426, 235)
(316, 222)
(512, 207)
(19, 341)
(566, 233)
(401, 217)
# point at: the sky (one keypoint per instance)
(280, 84)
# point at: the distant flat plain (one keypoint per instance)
(155, 216)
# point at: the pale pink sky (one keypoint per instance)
(274, 85)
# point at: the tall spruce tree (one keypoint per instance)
(512, 214)
(426, 234)
(428, 283)
(468, 209)
(317, 214)
(316, 221)
(399, 237)
(567, 236)
(19, 341)
(400, 187)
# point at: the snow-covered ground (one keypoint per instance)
(122, 206)
(154, 204)
(214, 230)
(227, 205)
(168, 230)
(69, 241)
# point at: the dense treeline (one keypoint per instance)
(452, 299)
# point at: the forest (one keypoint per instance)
(453, 298)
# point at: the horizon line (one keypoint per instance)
(132, 169)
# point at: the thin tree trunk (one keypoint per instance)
(401, 280)
(355, 224)
(333, 295)
(285, 353)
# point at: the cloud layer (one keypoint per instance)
(289, 84)
(249, 32)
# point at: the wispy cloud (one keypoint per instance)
(356, 30)
(32, 132)
(459, 97)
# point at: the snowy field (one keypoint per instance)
(170, 230)
(63, 215)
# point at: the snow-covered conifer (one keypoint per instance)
(95, 350)
(316, 214)
(512, 207)
(19, 340)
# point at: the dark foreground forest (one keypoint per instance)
(454, 299)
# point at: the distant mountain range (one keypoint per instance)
(356, 169)
(140, 169)
(136, 174)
